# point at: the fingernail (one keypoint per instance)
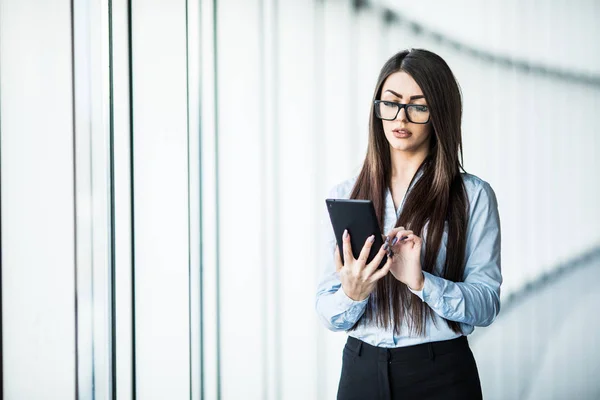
(345, 233)
(386, 246)
(390, 253)
(394, 241)
(387, 240)
(371, 238)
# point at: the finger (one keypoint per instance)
(409, 242)
(347, 250)
(394, 232)
(377, 275)
(414, 239)
(338, 260)
(372, 266)
(401, 236)
(364, 253)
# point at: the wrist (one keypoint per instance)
(355, 295)
(418, 284)
(358, 296)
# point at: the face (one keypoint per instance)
(400, 87)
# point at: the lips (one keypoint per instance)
(401, 133)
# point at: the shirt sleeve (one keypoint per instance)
(337, 311)
(476, 300)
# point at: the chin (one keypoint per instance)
(404, 144)
(401, 144)
(404, 148)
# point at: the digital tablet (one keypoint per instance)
(358, 216)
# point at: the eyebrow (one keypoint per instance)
(419, 96)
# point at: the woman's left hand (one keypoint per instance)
(406, 259)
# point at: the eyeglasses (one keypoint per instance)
(389, 110)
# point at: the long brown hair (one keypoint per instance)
(436, 198)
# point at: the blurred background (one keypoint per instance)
(164, 166)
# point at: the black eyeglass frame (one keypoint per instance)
(400, 107)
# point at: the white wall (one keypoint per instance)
(38, 238)
(191, 161)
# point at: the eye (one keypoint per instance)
(420, 108)
(388, 103)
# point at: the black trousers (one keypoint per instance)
(437, 370)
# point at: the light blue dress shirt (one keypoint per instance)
(473, 302)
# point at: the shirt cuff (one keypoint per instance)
(419, 293)
(432, 287)
(345, 302)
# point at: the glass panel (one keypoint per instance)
(160, 200)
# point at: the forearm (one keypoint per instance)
(475, 304)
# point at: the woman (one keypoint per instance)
(407, 322)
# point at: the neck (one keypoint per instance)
(405, 164)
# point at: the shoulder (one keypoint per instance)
(343, 189)
(479, 192)
(474, 184)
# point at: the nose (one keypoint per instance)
(402, 115)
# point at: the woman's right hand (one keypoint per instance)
(359, 278)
